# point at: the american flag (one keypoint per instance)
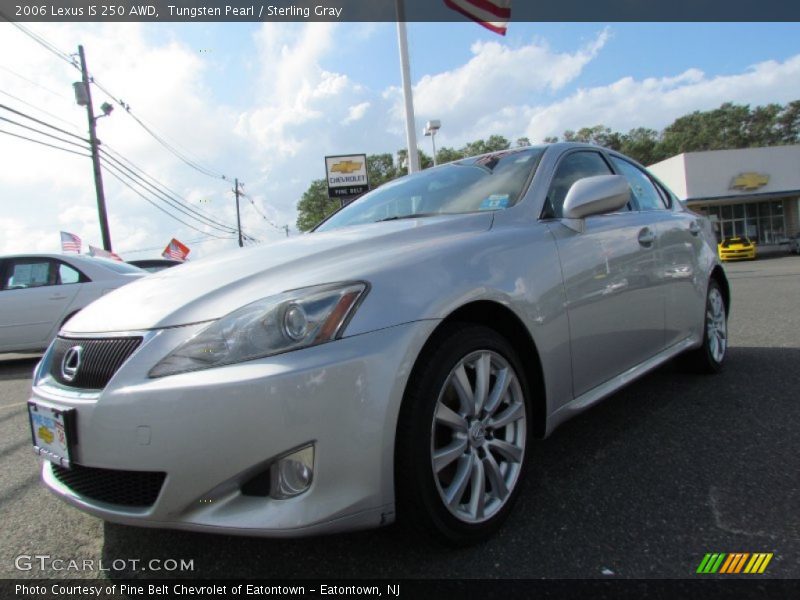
(175, 250)
(70, 242)
(492, 14)
(94, 251)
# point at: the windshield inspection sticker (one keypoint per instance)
(495, 202)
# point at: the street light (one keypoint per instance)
(431, 127)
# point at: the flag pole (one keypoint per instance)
(405, 74)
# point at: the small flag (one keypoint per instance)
(103, 253)
(70, 242)
(492, 14)
(175, 250)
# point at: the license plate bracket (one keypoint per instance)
(53, 432)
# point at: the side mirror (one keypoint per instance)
(595, 196)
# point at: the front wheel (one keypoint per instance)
(462, 437)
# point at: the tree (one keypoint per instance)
(642, 144)
(380, 169)
(523, 141)
(788, 123)
(446, 155)
(495, 143)
(314, 205)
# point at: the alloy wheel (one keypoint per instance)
(478, 436)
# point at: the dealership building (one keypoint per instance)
(753, 192)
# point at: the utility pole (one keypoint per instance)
(98, 175)
(238, 218)
(408, 101)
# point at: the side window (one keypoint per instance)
(572, 167)
(642, 187)
(27, 273)
(67, 275)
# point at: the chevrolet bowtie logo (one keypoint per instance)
(346, 166)
(749, 181)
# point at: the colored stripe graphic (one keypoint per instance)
(734, 562)
(758, 563)
(711, 562)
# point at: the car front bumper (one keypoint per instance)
(210, 431)
(738, 254)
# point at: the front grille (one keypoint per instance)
(100, 358)
(125, 488)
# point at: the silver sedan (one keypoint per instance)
(393, 364)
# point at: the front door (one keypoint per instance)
(614, 304)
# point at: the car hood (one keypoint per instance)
(216, 285)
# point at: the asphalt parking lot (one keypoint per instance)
(643, 485)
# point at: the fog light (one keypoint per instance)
(292, 475)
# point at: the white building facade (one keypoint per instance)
(753, 192)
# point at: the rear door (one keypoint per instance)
(616, 315)
(33, 301)
(679, 245)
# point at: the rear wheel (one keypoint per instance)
(461, 448)
(710, 356)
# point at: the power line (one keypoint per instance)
(182, 156)
(262, 215)
(41, 41)
(174, 202)
(44, 143)
(113, 170)
(40, 122)
(32, 82)
(112, 153)
(44, 133)
(33, 106)
(201, 240)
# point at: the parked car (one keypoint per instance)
(40, 292)
(794, 243)
(394, 363)
(152, 265)
(737, 248)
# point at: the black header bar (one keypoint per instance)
(386, 10)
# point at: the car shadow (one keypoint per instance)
(16, 368)
(671, 456)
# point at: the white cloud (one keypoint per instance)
(496, 78)
(655, 102)
(356, 112)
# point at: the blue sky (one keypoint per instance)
(266, 103)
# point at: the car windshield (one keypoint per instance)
(489, 182)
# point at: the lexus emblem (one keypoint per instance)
(71, 363)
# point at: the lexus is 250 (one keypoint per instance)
(397, 362)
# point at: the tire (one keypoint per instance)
(710, 357)
(458, 475)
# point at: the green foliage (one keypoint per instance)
(314, 205)
(729, 126)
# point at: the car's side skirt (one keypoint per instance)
(607, 388)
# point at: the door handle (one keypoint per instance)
(646, 237)
(694, 228)
(57, 297)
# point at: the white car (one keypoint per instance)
(40, 292)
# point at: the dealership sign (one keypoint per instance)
(347, 175)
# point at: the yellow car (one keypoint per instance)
(737, 248)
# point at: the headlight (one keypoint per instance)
(288, 321)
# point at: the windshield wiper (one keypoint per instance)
(411, 216)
